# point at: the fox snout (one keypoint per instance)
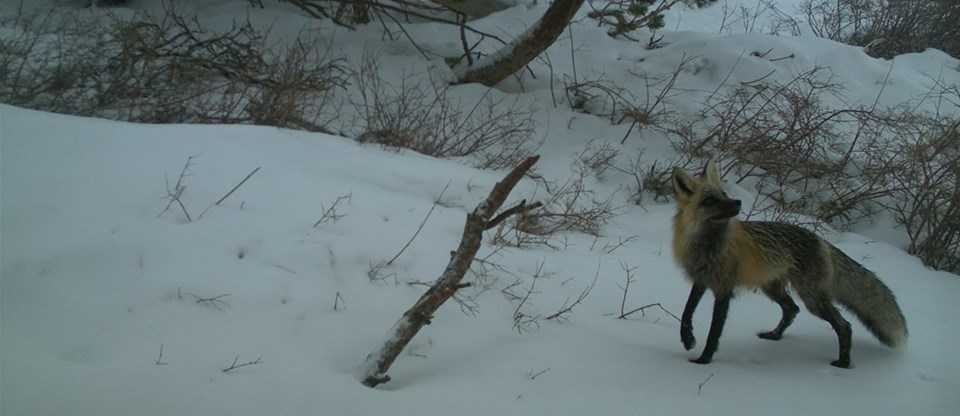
(735, 207)
(726, 208)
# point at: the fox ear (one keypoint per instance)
(684, 184)
(710, 172)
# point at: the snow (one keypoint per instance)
(96, 277)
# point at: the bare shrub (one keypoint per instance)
(496, 132)
(813, 163)
(785, 140)
(38, 69)
(597, 156)
(571, 207)
(652, 177)
(618, 104)
(925, 188)
(887, 27)
(165, 68)
(761, 17)
(515, 292)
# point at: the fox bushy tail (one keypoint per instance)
(861, 292)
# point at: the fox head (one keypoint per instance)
(703, 199)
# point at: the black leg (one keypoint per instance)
(823, 308)
(720, 307)
(686, 322)
(777, 292)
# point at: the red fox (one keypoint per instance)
(718, 252)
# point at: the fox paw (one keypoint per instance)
(702, 360)
(841, 363)
(771, 335)
(688, 340)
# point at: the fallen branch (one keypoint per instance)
(374, 368)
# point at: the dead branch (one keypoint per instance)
(235, 366)
(374, 368)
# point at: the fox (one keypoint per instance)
(716, 251)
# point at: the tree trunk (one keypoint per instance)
(525, 48)
(373, 371)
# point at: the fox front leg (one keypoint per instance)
(721, 306)
(686, 322)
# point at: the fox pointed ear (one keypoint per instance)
(684, 184)
(710, 172)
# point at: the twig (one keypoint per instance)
(337, 300)
(702, 383)
(521, 320)
(610, 249)
(565, 309)
(331, 213)
(235, 366)
(374, 273)
(160, 358)
(642, 308)
(238, 186)
(623, 302)
(420, 228)
(534, 376)
(178, 189)
(281, 267)
(518, 209)
(230, 193)
(462, 18)
(215, 302)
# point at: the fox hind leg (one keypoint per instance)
(823, 308)
(777, 291)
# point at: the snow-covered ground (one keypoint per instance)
(98, 279)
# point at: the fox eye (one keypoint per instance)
(709, 201)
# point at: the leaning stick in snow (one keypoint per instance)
(374, 369)
(237, 187)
